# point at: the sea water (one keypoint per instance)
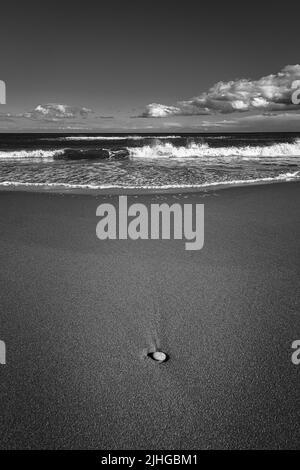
(147, 160)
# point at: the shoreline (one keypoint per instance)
(55, 188)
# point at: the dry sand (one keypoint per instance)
(78, 316)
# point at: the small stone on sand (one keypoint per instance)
(159, 356)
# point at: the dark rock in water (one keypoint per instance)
(94, 154)
(86, 154)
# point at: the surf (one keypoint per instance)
(194, 150)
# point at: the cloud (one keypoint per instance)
(6, 118)
(273, 117)
(160, 110)
(172, 124)
(283, 121)
(48, 116)
(270, 93)
(225, 122)
(104, 117)
(56, 112)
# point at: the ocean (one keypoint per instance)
(99, 161)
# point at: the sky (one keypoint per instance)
(149, 66)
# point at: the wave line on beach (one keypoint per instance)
(283, 177)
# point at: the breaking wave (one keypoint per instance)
(23, 154)
(67, 154)
(168, 150)
(159, 150)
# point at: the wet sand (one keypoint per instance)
(78, 316)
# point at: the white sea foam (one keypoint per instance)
(23, 154)
(77, 137)
(168, 150)
(127, 137)
(282, 177)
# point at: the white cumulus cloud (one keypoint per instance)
(270, 93)
(160, 110)
(56, 112)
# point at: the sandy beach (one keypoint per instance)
(78, 316)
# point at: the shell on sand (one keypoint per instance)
(159, 356)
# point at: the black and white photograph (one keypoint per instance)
(149, 229)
